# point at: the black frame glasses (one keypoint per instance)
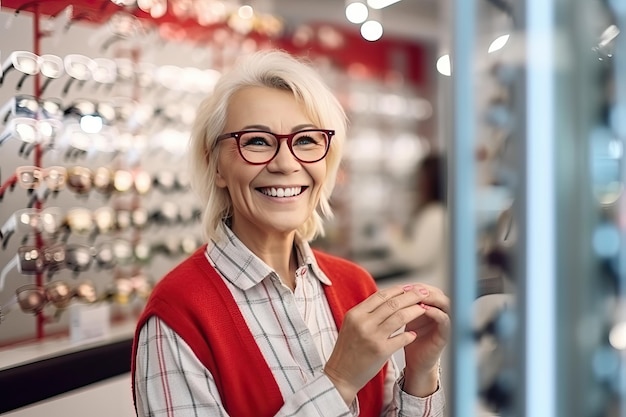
(307, 152)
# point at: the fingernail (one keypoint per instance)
(407, 288)
(424, 306)
(424, 291)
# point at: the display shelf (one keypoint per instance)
(37, 371)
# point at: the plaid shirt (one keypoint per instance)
(295, 332)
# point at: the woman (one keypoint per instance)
(423, 246)
(256, 323)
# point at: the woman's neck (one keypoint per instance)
(278, 253)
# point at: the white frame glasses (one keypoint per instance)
(28, 63)
(32, 132)
(29, 220)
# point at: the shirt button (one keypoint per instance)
(288, 300)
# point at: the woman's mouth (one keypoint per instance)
(281, 191)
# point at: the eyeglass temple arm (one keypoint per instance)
(6, 67)
(20, 83)
(5, 110)
(7, 268)
(5, 309)
(6, 134)
(7, 230)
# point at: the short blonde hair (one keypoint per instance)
(273, 69)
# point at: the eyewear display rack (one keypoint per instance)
(556, 124)
(91, 28)
(27, 382)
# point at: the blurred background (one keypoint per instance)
(484, 155)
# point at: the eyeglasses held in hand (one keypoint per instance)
(258, 147)
(30, 220)
(32, 132)
(28, 63)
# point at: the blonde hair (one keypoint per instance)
(273, 69)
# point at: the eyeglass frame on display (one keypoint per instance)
(15, 223)
(49, 294)
(13, 108)
(55, 129)
(10, 63)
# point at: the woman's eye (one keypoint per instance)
(304, 140)
(255, 141)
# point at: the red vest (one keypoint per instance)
(195, 302)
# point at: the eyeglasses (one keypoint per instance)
(122, 25)
(28, 63)
(125, 289)
(24, 105)
(80, 68)
(31, 177)
(31, 220)
(79, 179)
(105, 72)
(124, 181)
(84, 222)
(83, 107)
(31, 132)
(29, 260)
(32, 298)
(258, 147)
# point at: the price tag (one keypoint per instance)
(89, 322)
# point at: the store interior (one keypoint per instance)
(529, 118)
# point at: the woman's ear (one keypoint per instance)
(220, 181)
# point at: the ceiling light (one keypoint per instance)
(356, 12)
(380, 4)
(443, 65)
(371, 30)
(498, 43)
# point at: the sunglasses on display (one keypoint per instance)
(258, 147)
(33, 299)
(30, 220)
(29, 106)
(32, 132)
(28, 63)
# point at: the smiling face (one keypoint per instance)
(276, 198)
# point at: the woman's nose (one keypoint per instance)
(284, 159)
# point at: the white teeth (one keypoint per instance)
(282, 192)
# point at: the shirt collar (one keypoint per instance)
(244, 269)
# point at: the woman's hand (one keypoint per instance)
(368, 338)
(422, 355)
